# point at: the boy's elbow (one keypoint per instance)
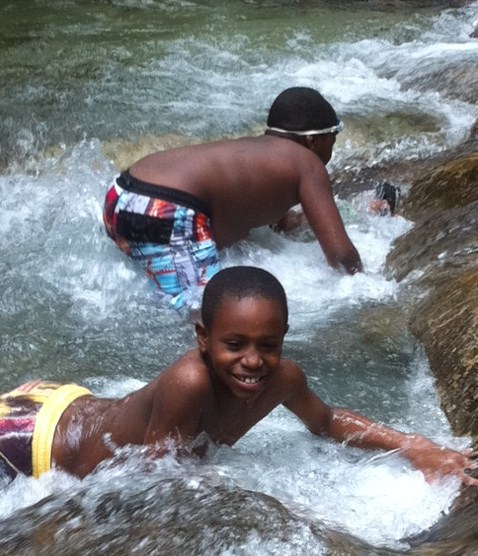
(321, 424)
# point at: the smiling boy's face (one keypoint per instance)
(244, 344)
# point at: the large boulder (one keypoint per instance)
(438, 248)
(450, 185)
(446, 322)
(441, 254)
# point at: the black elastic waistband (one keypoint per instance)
(126, 181)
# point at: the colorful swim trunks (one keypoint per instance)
(167, 232)
(28, 418)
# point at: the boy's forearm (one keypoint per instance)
(427, 456)
(356, 430)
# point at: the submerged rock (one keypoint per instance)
(459, 81)
(403, 172)
(170, 517)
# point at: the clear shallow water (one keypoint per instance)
(206, 69)
(81, 80)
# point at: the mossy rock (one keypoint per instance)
(453, 184)
(446, 322)
(437, 248)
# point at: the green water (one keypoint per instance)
(117, 69)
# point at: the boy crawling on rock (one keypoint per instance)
(221, 389)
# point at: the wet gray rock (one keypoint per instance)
(458, 81)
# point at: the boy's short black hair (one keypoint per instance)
(240, 282)
(388, 192)
(301, 109)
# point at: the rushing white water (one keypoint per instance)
(73, 308)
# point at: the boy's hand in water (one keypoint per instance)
(291, 221)
(435, 461)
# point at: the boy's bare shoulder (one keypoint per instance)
(188, 374)
(284, 146)
(292, 376)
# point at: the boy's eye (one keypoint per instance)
(233, 345)
(237, 345)
(270, 346)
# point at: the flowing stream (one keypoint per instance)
(87, 87)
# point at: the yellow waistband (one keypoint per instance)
(46, 421)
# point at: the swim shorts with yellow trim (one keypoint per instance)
(28, 419)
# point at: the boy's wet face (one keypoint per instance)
(244, 344)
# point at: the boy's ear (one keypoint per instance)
(201, 336)
(309, 140)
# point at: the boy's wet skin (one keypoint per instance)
(233, 379)
(242, 351)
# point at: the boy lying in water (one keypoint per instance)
(232, 380)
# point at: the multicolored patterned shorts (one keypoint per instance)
(167, 232)
(28, 418)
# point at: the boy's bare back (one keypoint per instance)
(246, 182)
(251, 182)
(172, 211)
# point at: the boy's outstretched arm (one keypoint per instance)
(433, 460)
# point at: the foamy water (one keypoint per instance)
(73, 308)
(53, 236)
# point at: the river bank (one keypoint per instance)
(439, 256)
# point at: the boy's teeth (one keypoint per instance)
(248, 380)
